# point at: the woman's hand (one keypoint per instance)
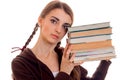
(108, 59)
(67, 63)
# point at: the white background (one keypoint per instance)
(18, 17)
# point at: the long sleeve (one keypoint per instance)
(20, 72)
(100, 72)
(62, 76)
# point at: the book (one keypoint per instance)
(94, 57)
(98, 51)
(89, 39)
(89, 27)
(91, 45)
(94, 32)
(91, 42)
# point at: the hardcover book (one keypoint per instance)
(91, 42)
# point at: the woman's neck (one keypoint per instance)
(45, 53)
(43, 48)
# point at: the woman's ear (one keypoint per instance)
(40, 21)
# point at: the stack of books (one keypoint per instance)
(91, 42)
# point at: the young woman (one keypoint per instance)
(47, 60)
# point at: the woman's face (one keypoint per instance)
(54, 25)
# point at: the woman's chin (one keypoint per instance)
(52, 41)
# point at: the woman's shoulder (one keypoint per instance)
(24, 65)
(24, 57)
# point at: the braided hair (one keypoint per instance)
(28, 41)
(31, 36)
(49, 7)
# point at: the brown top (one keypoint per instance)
(27, 67)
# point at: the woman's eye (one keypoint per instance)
(66, 27)
(53, 21)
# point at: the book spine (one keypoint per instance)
(91, 50)
(89, 39)
(95, 57)
(90, 26)
(95, 52)
(91, 45)
(91, 33)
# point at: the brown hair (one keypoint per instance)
(49, 7)
(56, 5)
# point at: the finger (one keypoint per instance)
(78, 63)
(67, 54)
(66, 47)
(72, 56)
(67, 50)
(108, 58)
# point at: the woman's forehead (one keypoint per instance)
(60, 14)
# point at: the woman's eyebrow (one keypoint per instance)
(55, 18)
(59, 20)
(68, 24)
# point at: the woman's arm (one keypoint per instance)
(100, 72)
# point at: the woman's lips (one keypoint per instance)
(55, 36)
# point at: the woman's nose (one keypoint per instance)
(58, 29)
